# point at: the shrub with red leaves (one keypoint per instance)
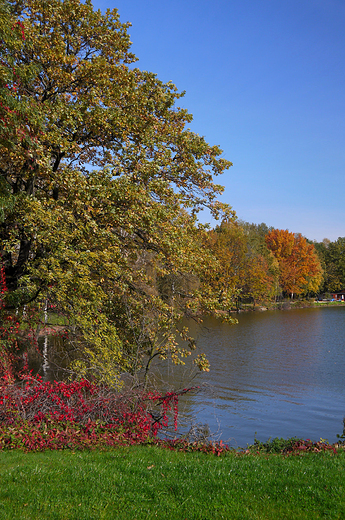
(37, 415)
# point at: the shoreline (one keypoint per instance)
(285, 306)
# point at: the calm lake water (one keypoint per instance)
(277, 373)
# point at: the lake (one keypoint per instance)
(277, 373)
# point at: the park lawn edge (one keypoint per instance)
(148, 482)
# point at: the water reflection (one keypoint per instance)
(45, 364)
(56, 354)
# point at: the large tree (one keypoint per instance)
(106, 193)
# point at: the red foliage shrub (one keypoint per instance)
(37, 415)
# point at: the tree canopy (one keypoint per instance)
(105, 182)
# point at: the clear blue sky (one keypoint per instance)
(264, 79)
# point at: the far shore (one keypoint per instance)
(285, 306)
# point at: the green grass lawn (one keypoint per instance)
(147, 482)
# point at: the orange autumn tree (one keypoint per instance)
(299, 266)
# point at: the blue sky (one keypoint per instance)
(264, 80)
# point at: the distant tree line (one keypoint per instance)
(261, 263)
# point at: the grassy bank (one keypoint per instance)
(147, 482)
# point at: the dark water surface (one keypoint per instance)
(277, 373)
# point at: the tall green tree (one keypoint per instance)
(332, 255)
(111, 178)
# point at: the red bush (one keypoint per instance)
(37, 415)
